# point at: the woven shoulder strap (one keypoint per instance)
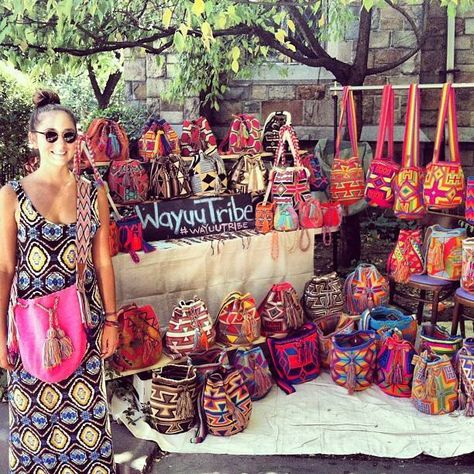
(386, 123)
(348, 107)
(411, 140)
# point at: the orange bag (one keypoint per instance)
(108, 140)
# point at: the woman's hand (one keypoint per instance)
(109, 341)
(4, 362)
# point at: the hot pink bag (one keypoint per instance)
(49, 331)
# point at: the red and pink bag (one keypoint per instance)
(382, 171)
(195, 136)
(128, 182)
(244, 135)
(310, 214)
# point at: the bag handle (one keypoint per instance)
(288, 135)
(349, 107)
(447, 110)
(386, 124)
(411, 139)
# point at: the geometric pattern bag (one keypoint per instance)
(131, 237)
(140, 342)
(197, 135)
(225, 406)
(290, 184)
(169, 178)
(254, 369)
(327, 328)
(444, 252)
(243, 136)
(173, 398)
(437, 340)
(406, 259)
(286, 218)
(128, 182)
(365, 288)
(238, 322)
(465, 368)
(435, 384)
(280, 311)
(295, 359)
(382, 171)
(310, 214)
(322, 296)
(354, 360)
(108, 140)
(248, 175)
(469, 213)
(271, 129)
(395, 370)
(467, 272)
(444, 181)
(408, 184)
(190, 328)
(347, 176)
(208, 174)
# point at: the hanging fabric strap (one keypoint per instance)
(447, 111)
(411, 140)
(386, 124)
(347, 107)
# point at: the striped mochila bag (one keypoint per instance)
(382, 171)
(444, 180)
(408, 184)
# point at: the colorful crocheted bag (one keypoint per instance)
(437, 340)
(347, 176)
(295, 359)
(365, 288)
(382, 171)
(435, 384)
(465, 368)
(354, 360)
(243, 136)
(394, 367)
(238, 321)
(444, 181)
(408, 183)
(128, 182)
(197, 136)
(254, 369)
(469, 213)
(406, 259)
(467, 271)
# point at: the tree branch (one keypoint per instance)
(363, 43)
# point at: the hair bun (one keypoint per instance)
(45, 97)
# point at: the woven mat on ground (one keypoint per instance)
(321, 418)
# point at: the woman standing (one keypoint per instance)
(58, 427)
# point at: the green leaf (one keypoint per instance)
(235, 66)
(167, 17)
(368, 4)
(235, 53)
(206, 30)
(291, 25)
(178, 41)
(280, 35)
(221, 20)
(291, 47)
(198, 7)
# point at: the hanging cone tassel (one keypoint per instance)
(351, 378)
(51, 350)
(65, 344)
(401, 273)
(246, 326)
(263, 382)
(184, 407)
(204, 340)
(85, 309)
(431, 386)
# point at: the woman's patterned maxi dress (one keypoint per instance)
(60, 428)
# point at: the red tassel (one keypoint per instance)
(263, 382)
(351, 379)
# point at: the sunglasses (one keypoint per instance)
(51, 136)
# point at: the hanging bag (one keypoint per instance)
(394, 367)
(435, 384)
(444, 181)
(469, 212)
(382, 171)
(354, 360)
(238, 321)
(271, 129)
(286, 218)
(406, 259)
(467, 271)
(280, 311)
(290, 184)
(318, 181)
(347, 177)
(310, 214)
(408, 184)
(295, 358)
(322, 296)
(173, 398)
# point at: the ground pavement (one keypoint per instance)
(136, 456)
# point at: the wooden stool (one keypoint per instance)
(462, 299)
(440, 290)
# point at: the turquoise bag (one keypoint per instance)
(285, 218)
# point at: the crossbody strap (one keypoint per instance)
(411, 140)
(348, 107)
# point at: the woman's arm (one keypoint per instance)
(8, 237)
(105, 275)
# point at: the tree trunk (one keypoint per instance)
(103, 97)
